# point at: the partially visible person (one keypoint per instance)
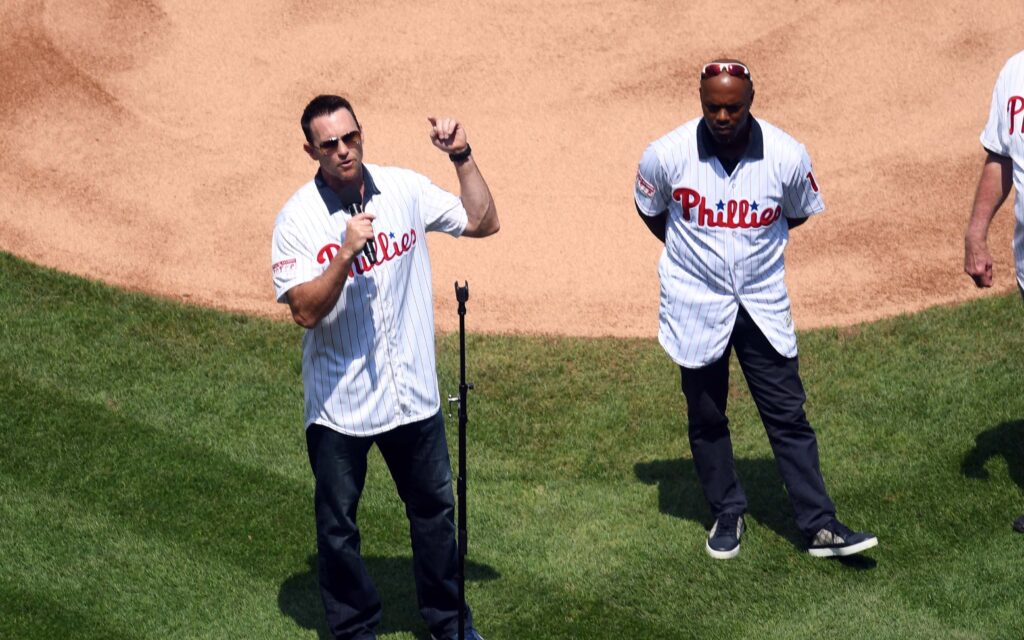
(368, 367)
(1003, 140)
(723, 192)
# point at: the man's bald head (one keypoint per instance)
(728, 67)
(726, 93)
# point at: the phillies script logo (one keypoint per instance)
(388, 248)
(735, 214)
(1015, 106)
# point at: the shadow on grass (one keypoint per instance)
(164, 487)
(27, 613)
(680, 495)
(153, 482)
(1005, 440)
(857, 562)
(299, 596)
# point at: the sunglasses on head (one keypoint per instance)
(350, 139)
(734, 69)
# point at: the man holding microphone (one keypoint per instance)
(349, 258)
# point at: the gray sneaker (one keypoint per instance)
(1018, 524)
(836, 539)
(724, 538)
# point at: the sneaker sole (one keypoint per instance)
(722, 555)
(832, 552)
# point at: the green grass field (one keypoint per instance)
(154, 482)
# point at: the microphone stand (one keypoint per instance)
(462, 295)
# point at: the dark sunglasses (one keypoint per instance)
(734, 69)
(350, 139)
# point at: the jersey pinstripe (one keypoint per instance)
(369, 365)
(725, 237)
(1004, 135)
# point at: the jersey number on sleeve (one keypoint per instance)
(814, 185)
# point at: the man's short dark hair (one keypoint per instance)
(324, 105)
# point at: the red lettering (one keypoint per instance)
(709, 217)
(384, 248)
(734, 214)
(746, 220)
(721, 218)
(327, 253)
(387, 250)
(687, 198)
(1014, 106)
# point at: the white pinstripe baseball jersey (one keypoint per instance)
(725, 236)
(1004, 135)
(369, 365)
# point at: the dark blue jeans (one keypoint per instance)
(417, 457)
(774, 383)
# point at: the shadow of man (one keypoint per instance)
(1005, 440)
(680, 495)
(299, 595)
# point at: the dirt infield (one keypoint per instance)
(151, 143)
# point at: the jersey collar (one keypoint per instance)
(707, 147)
(331, 199)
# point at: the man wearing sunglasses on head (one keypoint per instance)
(722, 192)
(349, 257)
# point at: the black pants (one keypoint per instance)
(774, 383)
(417, 457)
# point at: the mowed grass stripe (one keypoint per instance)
(139, 425)
(24, 610)
(151, 481)
(119, 575)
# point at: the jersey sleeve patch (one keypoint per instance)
(285, 267)
(643, 186)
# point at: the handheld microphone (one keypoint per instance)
(370, 248)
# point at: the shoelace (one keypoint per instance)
(728, 523)
(833, 533)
